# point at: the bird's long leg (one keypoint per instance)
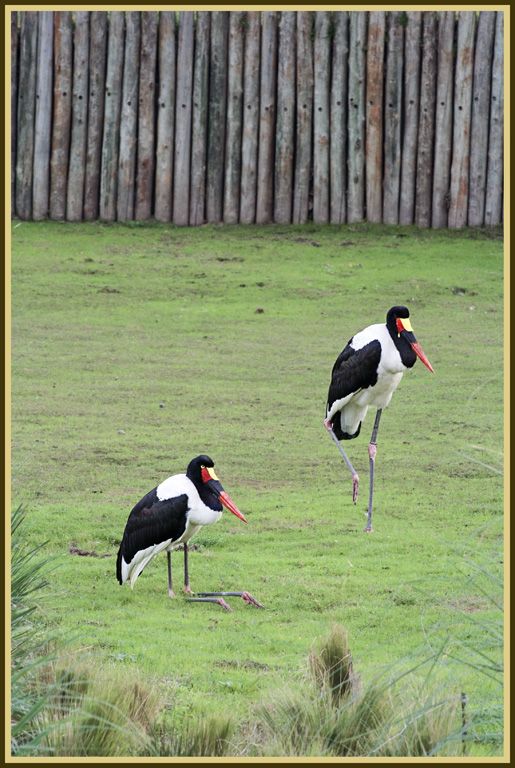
(245, 596)
(355, 477)
(171, 593)
(372, 450)
(187, 587)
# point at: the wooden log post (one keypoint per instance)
(14, 99)
(494, 180)
(249, 142)
(267, 114)
(410, 116)
(285, 136)
(322, 61)
(462, 118)
(392, 122)
(165, 116)
(480, 117)
(234, 120)
(183, 104)
(443, 119)
(200, 120)
(43, 121)
(26, 112)
(112, 109)
(338, 121)
(61, 123)
(426, 121)
(78, 142)
(129, 118)
(356, 127)
(217, 111)
(97, 75)
(145, 169)
(375, 115)
(305, 79)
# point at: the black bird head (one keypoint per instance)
(200, 472)
(399, 326)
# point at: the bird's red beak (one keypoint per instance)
(417, 349)
(229, 504)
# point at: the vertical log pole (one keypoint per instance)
(356, 146)
(249, 144)
(61, 122)
(165, 116)
(112, 107)
(217, 111)
(129, 118)
(234, 120)
(285, 136)
(14, 99)
(393, 111)
(494, 196)
(426, 121)
(375, 114)
(181, 183)
(25, 112)
(200, 120)
(97, 75)
(462, 116)
(43, 122)
(301, 194)
(78, 142)
(443, 120)
(267, 113)
(338, 124)
(480, 116)
(145, 171)
(321, 119)
(410, 115)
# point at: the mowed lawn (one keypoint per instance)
(134, 348)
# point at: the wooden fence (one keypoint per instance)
(247, 117)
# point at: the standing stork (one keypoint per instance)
(170, 515)
(367, 373)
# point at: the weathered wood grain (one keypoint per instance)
(165, 116)
(459, 190)
(426, 121)
(356, 125)
(112, 108)
(250, 119)
(285, 126)
(494, 181)
(375, 115)
(145, 168)
(78, 142)
(217, 111)
(129, 118)
(61, 122)
(97, 76)
(200, 120)
(480, 117)
(14, 100)
(183, 109)
(322, 59)
(267, 114)
(26, 112)
(410, 116)
(234, 120)
(392, 121)
(303, 153)
(43, 119)
(338, 122)
(443, 119)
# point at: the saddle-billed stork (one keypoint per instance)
(170, 515)
(367, 373)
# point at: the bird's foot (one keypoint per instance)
(355, 487)
(187, 589)
(217, 600)
(368, 529)
(171, 593)
(245, 596)
(372, 450)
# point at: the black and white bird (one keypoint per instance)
(170, 515)
(367, 373)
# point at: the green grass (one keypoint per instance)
(136, 347)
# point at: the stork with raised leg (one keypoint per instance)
(169, 516)
(367, 373)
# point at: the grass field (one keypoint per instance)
(134, 348)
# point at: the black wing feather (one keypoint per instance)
(354, 370)
(151, 522)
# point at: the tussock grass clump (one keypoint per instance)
(201, 736)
